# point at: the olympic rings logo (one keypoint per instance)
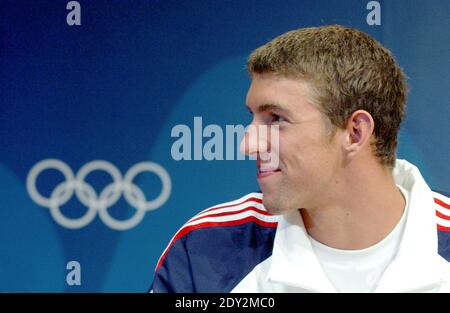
(87, 195)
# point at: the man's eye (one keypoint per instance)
(275, 118)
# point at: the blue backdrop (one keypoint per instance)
(113, 88)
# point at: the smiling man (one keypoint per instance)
(337, 211)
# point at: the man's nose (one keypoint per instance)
(254, 141)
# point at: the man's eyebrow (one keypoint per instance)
(270, 107)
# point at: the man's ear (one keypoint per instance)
(358, 131)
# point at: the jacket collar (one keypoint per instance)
(294, 262)
(417, 266)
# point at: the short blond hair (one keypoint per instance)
(348, 70)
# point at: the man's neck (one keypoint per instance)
(362, 211)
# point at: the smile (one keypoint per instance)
(265, 172)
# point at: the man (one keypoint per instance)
(337, 211)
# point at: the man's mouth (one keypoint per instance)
(266, 171)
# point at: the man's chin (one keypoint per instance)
(275, 206)
(272, 206)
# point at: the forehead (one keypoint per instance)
(290, 94)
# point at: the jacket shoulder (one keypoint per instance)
(442, 207)
(217, 248)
